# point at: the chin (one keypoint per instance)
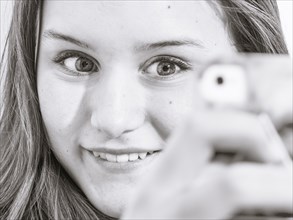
(113, 207)
(111, 197)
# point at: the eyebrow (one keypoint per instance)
(170, 43)
(51, 34)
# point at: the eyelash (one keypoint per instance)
(183, 65)
(178, 62)
(61, 57)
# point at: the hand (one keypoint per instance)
(272, 79)
(186, 184)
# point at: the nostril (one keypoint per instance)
(113, 129)
(116, 120)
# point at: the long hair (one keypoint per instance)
(33, 184)
(254, 25)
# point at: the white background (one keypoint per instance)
(285, 6)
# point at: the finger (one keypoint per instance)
(208, 196)
(185, 154)
(222, 191)
(239, 132)
(287, 137)
(259, 187)
(193, 144)
(270, 78)
(276, 143)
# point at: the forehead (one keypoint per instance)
(125, 9)
(103, 21)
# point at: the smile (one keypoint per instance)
(123, 158)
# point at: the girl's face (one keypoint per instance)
(114, 79)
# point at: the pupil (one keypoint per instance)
(220, 80)
(84, 65)
(166, 68)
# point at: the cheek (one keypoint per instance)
(168, 108)
(62, 107)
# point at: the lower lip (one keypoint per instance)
(125, 167)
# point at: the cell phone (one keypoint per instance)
(229, 83)
(234, 82)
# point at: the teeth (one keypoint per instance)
(103, 156)
(142, 155)
(133, 157)
(122, 158)
(111, 157)
(97, 154)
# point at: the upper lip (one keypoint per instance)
(124, 150)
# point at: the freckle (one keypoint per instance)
(170, 102)
(169, 6)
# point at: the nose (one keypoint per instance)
(118, 106)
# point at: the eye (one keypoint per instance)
(224, 85)
(165, 67)
(77, 63)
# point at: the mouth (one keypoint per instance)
(125, 157)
